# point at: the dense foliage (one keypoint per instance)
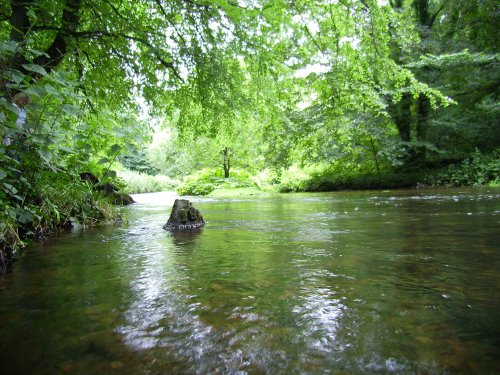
(207, 180)
(137, 182)
(320, 94)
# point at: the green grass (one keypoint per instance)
(207, 181)
(142, 183)
(241, 193)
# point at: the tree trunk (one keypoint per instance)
(56, 51)
(19, 20)
(423, 109)
(423, 104)
(227, 161)
(401, 112)
(401, 115)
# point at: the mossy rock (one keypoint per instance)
(184, 217)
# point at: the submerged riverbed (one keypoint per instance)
(401, 282)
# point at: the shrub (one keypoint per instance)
(137, 182)
(477, 170)
(341, 176)
(208, 180)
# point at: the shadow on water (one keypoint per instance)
(185, 238)
(367, 282)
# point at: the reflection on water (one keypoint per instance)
(371, 282)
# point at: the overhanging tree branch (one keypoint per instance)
(169, 20)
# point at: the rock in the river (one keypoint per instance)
(184, 217)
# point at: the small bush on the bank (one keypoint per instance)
(341, 176)
(208, 180)
(477, 170)
(137, 182)
(294, 179)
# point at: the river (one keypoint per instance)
(404, 282)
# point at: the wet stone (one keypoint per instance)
(184, 216)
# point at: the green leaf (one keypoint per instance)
(110, 174)
(35, 68)
(35, 91)
(115, 149)
(67, 149)
(71, 110)
(51, 90)
(9, 46)
(45, 154)
(9, 189)
(14, 76)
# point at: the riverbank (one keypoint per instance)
(53, 215)
(477, 170)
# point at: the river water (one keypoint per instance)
(404, 282)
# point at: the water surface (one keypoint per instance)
(347, 283)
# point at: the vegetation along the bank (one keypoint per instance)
(205, 96)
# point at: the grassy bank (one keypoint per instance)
(56, 203)
(324, 179)
(241, 193)
(209, 181)
(477, 170)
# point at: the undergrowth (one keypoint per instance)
(334, 177)
(137, 182)
(476, 170)
(207, 180)
(43, 204)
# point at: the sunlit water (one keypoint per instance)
(403, 282)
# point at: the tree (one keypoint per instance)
(117, 48)
(349, 42)
(449, 61)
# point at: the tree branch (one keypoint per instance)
(202, 5)
(88, 58)
(434, 16)
(308, 32)
(169, 20)
(102, 33)
(57, 50)
(116, 11)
